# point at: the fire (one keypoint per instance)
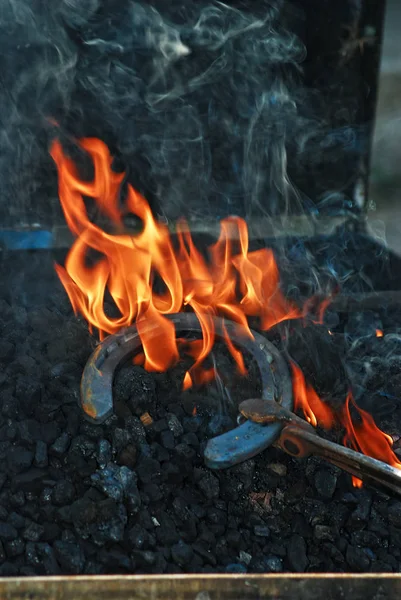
(232, 282)
(361, 432)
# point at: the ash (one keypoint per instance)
(128, 497)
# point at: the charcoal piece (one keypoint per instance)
(160, 425)
(16, 520)
(274, 564)
(360, 515)
(29, 481)
(2, 553)
(103, 453)
(15, 547)
(134, 386)
(3, 478)
(301, 526)
(366, 539)
(17, 499)
(185, 454)
(8, 432)
(209, 486)
(219, 424)
(166, 533)
(7, 532)
(296, 554)
(325, 483)
(117, 483)
(19, 459)
(49, 432)
(192, 424)
(144, 557)
(31, 554)
(153, 492)
(159, 453)
(29, 430)
(236, 568)
(47, 559)
(138, 537)
(120, 439)
(244, 472)
(33, 532)
(128, 456)
(70, 557)
(115, 560)
(174, 425)
(27, 571)
(63, 493)
(51, 532)
(41, 457)
(60, 445)
(204, 550)
(323, 532)
(395, 537)
(394, 514)
(182, 553)
(167, 440)
(357, 558)
(136, 431)
(102, 521)
(28, 393)
(10, 406)
(8, 569)
(261, 531)
(7, 350)
(3, 513)
(190, 439)
(233, 537)
(147, 468)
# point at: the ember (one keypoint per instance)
(235, 283)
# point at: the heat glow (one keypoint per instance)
(232, 282)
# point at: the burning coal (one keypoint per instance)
(234, 283)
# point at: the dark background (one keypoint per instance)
(280, 122)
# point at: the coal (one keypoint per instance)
(69, 556)
(76, 498)
(19, 459)
(325, 483)
(296, 554)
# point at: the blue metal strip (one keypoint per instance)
(26, 240)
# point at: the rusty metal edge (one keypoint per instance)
(312, 586)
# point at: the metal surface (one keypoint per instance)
(226, 450)
(59, 236)
(299, 439)
(204, 587)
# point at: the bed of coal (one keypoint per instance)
(133, 495)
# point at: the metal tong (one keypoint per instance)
(299, 439)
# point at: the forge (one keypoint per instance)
(200, 335)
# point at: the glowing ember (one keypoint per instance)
(233, 282)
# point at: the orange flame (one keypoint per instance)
(128, 265)
(233, 282)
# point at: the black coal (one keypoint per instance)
(124, 497)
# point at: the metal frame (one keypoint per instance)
(203, 587)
